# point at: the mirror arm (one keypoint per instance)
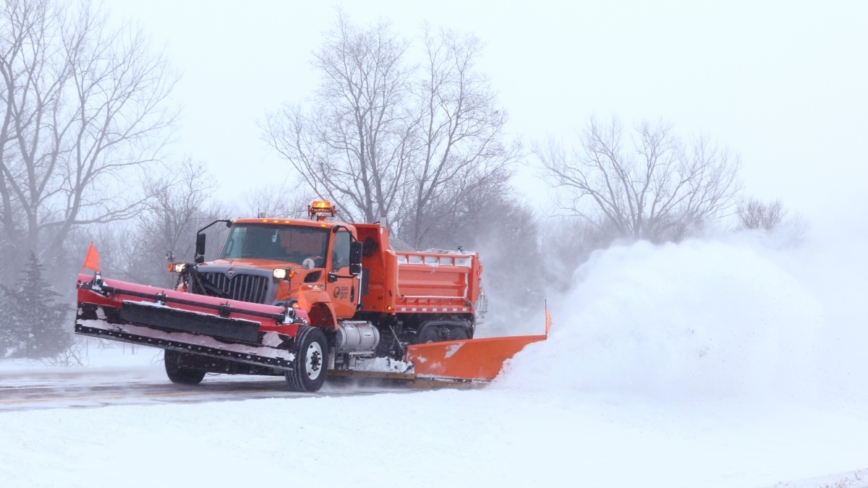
(226, 221)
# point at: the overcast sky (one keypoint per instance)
(784, 84)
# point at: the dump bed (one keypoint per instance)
(416, 282)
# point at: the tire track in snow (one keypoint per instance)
(59, 393)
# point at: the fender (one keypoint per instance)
(312, 299)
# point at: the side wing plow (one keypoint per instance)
(471, 360)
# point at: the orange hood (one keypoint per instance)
(252, 263)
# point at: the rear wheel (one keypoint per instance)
(439, 334)
(178, 374)
(429, 334)
(458, 334)
(308, 371)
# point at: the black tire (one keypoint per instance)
(458, 334)
(178, 374)
(310, 367)
(429, 334)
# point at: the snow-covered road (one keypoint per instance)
(34, 392)
(116, 376)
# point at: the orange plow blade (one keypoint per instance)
(468, 360)
(472, 359)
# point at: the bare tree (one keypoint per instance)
(483, 208)
(280, 201)
(354, 145)
(754, 214)
(773, 218)
(166, 227)
(387, 139)
(83, 107)
(645, 185)
(461, 133)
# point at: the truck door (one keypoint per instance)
(342, 287)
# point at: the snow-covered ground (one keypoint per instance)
(94, 355)
(444, 438)
(729, 362)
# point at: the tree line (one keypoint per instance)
(407, 132)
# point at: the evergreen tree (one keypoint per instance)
(35, 326)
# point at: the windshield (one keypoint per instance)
(292, 244)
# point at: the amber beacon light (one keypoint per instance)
(321, 209)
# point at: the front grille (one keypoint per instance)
(244, 287)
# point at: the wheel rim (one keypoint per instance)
(313, 361)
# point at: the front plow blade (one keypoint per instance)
(220, 328)
(467, 360)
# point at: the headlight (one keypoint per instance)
(177, 267)
(279, 274)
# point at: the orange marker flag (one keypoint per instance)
(92, 260)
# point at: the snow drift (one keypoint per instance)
(710, 318)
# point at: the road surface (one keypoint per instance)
(98, 388)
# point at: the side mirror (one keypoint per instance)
(355, 269)
(356, 253)
(200, 248)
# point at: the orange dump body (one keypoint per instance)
(411, 282)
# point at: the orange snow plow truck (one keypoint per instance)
(307, 299)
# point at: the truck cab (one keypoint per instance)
(314, 265)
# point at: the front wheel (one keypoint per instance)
(178, 374)
(308, 371)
